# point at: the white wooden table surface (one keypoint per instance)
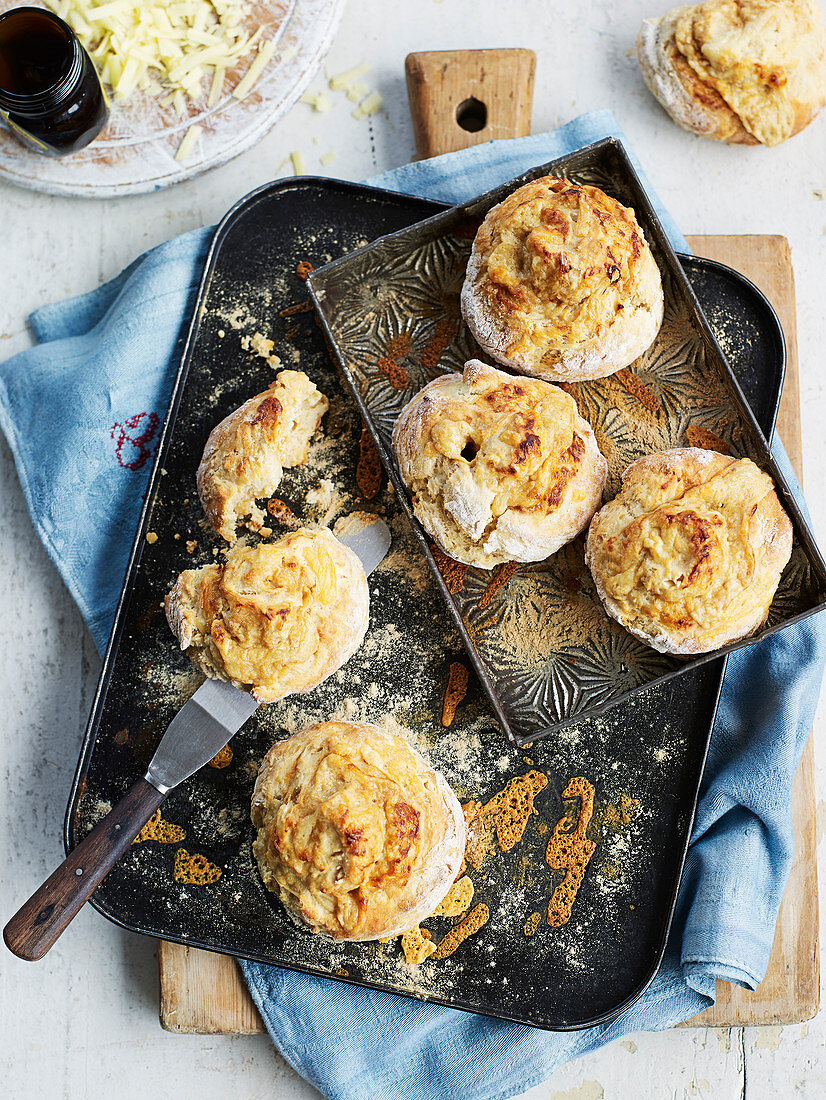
(83, 1023)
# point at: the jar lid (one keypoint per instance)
(34, 104)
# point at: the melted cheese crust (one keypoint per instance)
(689, 555)
(766, 59)
(246, 453)
(561, 282)
(277, 618)
(499, 468)
(357, 834)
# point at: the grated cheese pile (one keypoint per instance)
(170, 48)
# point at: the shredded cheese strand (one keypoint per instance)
(167, 49)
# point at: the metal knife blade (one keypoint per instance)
(217, 710)
(198, 731)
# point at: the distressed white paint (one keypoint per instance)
(83, 1023)
(142, 140)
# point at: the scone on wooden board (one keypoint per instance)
(499, 468)
(276, 618)
(356, 833)
(245, 455)
(688, 555)
(561, 283)
(746, 72)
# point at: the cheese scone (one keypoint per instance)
(246, 453)
(274, 619)
(357, 834)
(561, 283)
(688, 556)
(746, 72)
(499, 468)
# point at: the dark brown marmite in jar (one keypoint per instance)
(50, 93)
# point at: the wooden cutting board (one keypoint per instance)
(790, 992)
(461, 98)
(202, 992)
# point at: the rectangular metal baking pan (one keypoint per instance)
(542, 645)
(650, 747)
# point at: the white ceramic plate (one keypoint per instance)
(136, 151)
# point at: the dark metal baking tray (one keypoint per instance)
(388, 302)
(651, 747)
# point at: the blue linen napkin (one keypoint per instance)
(112, 355)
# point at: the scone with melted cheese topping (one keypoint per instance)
(275, 619)
(561, 283)
(356, 833)
(245, 455)
(499, 468)
(689, 555)
(746, 72)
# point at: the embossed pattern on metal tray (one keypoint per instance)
(542, 644)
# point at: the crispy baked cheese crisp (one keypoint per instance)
(276, 618)
(561, 283)
(689, 555)
(500, 468)
(356, 833)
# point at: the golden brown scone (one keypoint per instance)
(246, 453)
(561, 283)
(499, 468)
(688, 556)
(357, 834)
(741, 71)
(276, 618)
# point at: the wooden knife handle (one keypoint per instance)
(465, 97)
(37, 924)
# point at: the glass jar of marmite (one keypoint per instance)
(51, 97)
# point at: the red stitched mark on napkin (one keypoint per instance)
(120, 434)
